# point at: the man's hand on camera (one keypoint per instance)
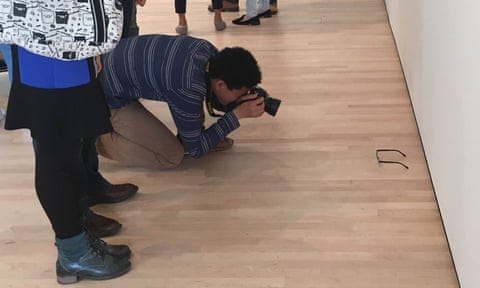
(251, 106)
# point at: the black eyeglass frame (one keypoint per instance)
(379, 151)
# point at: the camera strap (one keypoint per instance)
(209, 96)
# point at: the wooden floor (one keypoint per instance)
(300, 200)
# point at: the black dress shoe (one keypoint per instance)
(266, 14)
(114, 194)
(252, 21)
(99, 225)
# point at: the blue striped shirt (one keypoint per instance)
(169, 69)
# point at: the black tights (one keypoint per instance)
(59, 178)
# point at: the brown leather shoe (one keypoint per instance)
(114, 194)
(225, 144)
(99, 225)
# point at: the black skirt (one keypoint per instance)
(79, 111)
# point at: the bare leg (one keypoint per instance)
(182, 19)
(181, 9)
(182, 28)
(218, 21)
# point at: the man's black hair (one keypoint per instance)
(236, 66)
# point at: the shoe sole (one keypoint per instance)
(65, 278)
(109, 233)
(93, 202)
(247, 24)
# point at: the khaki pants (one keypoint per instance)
(139, 138)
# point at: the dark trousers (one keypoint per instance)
(130, 27)
(96, 183)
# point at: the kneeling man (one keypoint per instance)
(184, 72)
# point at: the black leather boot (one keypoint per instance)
(94, 265)
(79, 257)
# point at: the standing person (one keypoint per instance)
(99, 190)
(61, 106)
(253, 13)
(181, 8)
(184, 72)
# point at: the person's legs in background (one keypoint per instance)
(251, 8)
(274, 6)
(7, 58)
(263, 6)
(134, 30)
(250, 17)
(217, 6)
(127, 16)
(130, 26)
(100, 191)
(181, 9)
(227, 6)
(232, 6)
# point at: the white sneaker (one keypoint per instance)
(2, 114)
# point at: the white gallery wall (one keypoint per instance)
(439, 47)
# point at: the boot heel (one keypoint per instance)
(64, 277)
(67, 279)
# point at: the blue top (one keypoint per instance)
(50, 73)
(42, 72)
(169, 69)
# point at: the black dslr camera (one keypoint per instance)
(271, 104)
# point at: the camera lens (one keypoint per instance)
(271, 105)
